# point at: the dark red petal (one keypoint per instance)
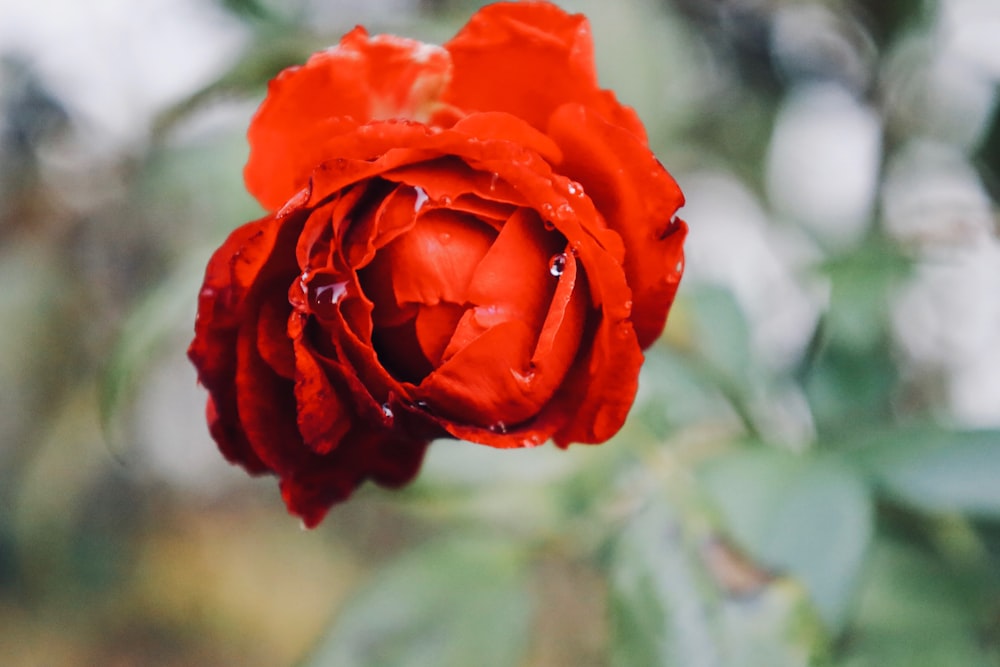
(638, 199)
(225, 429)
(322, 417)
(387, 458)
(368, 380)
(273, 343)
(236, 269)
(266, 405)
(361, 79)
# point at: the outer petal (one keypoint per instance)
(527, 58)
(638, 199)
(387, 458)
(361, 79)
(238, 269)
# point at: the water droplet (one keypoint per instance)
(575, 189)
(422, 405)
(575, 250)
(680, 266)
(445, 200)
(421, 199)
(548, 225)
(323, 297)
(557, 264)
(499, 428)
(387, 411)
(548, 210)
(493, 181)
(525, 378)
(564, 212)
(628, 305)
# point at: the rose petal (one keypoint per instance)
(244, 264)
(432, 262)
(537, 381)
(602, 390)
(498, 126)
(638, 199)
(446, 180)
(361, 79)
(395, 215)
(434, 328)
(526, 59)
(390, 459)
(513, 281)
(273, 343)
(322, 417)
(266, 405)
(475, 386)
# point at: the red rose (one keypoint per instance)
(469, 241)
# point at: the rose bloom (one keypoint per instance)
(470, 241)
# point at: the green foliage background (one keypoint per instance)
(825, 502)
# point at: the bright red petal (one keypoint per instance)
(638, 199)
(362, 79)
(526, 59)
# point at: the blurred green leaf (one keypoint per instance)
(659, 616)
(805, 515)
(938, 470)
(711, 340)
(451, 603)
(851, 373)
(916, 611)
(165, 311)
(722, 335)
(673, 602)
(861, 282)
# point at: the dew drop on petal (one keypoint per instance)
(564, 212)
(445, 200)
(557, 264)
(323, 298)
(421, 199)
(499, 428)
(575, 189)
(493, 181)
(526, 378)
(387, 411)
